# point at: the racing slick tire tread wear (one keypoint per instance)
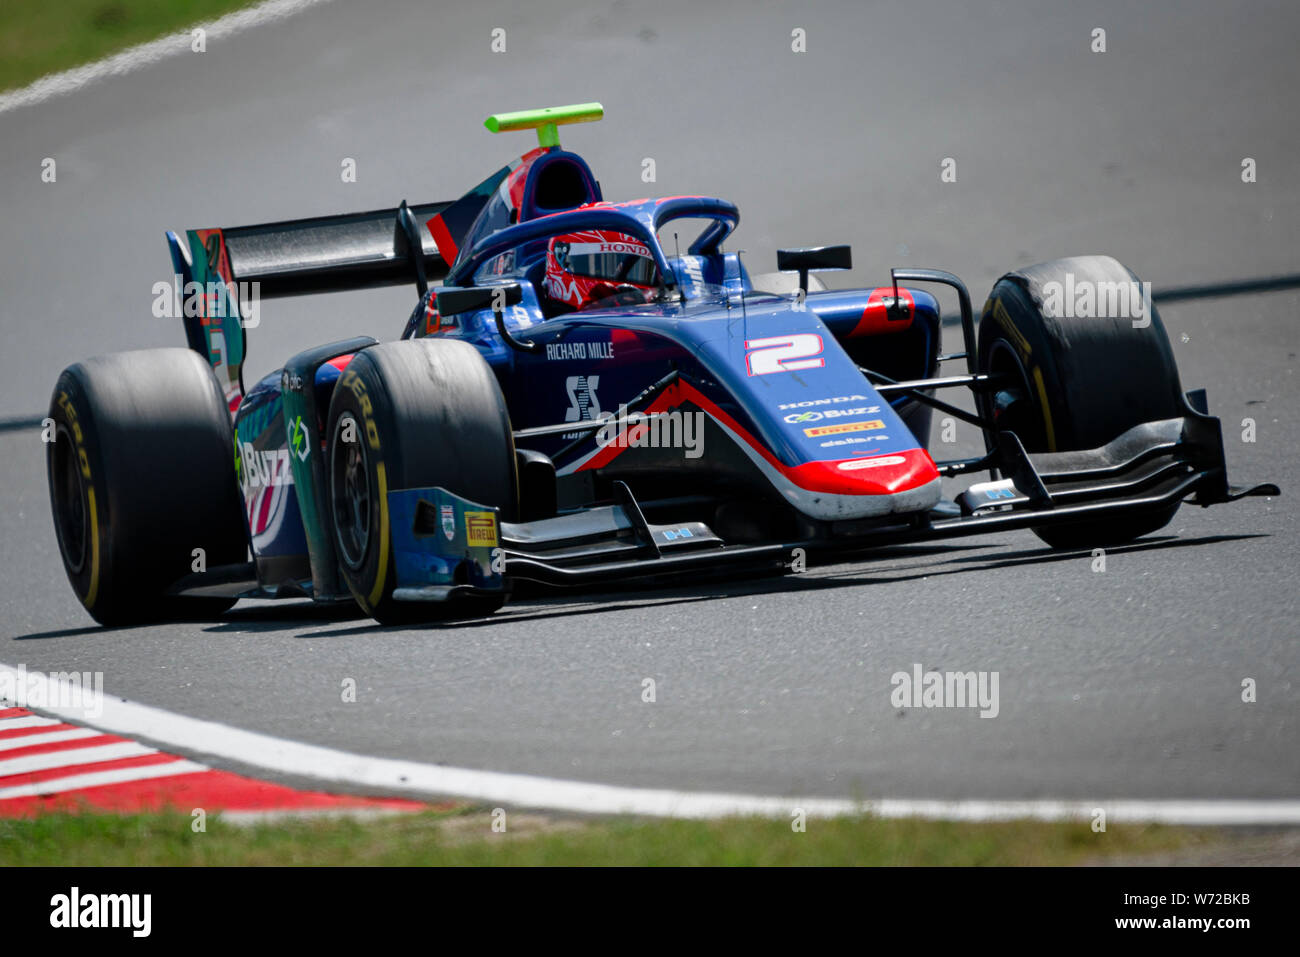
(431, 414)
(141, 473)
(1086, 379)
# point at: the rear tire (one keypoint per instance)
(141, 473)
(427, 412)
(1080, 381)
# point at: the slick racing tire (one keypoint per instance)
(1078, 379)
(423, 413)
(141, 474)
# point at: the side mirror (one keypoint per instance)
(813, 258)
(454, 300)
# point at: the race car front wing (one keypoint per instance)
(1151, 468)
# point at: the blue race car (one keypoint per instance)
(597, 392)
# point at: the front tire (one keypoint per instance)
(141, 473)
(424, 413)
(1078, 380)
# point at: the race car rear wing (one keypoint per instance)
(332, 253)
(222, 274)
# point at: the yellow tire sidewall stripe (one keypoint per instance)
(381, 572)
(92, 592)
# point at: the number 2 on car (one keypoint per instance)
(783, 353)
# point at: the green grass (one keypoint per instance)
(45, 36)
(465, 838)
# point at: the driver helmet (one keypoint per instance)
(585, 267)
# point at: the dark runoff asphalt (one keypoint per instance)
(1122, 683)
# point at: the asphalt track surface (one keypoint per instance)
(1125, 683)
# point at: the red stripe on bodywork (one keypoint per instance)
(875, 317)
(442, 236)
(669, 399)
(916, 469)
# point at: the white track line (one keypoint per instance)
(388, 775)
(136, 57)
(96, 779)
(72, 757)
(52, 737)
(30, 721)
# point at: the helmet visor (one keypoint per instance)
(613, 261)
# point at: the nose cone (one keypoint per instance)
(905, 481)
(873, 475)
